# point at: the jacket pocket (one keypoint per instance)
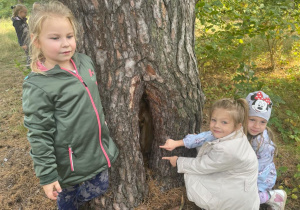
(198, 193)
(71, 158)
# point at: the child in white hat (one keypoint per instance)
(260, 137)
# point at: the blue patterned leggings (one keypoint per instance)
(72, 198)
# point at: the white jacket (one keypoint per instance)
(223, 175)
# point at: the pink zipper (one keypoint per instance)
(95, 109)
(71, 159)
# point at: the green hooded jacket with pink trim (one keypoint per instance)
(70, 141)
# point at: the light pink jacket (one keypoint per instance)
(223, 175)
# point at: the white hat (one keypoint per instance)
(260, 105)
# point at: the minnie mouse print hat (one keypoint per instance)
(260, 105)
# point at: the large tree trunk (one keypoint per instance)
(149, 86)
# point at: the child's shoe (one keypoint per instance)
(277, 200)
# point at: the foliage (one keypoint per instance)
(293, 192)
(5, 7)
(287, 118)
(297, 175)
(229, 33)
(244, 81)
(295, 52)
(227, 28)
(281, 170)
(5, 10)
(287, 130)
(22, 68)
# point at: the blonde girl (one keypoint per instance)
(261, 138)
(70, 143)
(224, 173)
(19, 22)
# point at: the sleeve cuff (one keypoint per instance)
(49, 178)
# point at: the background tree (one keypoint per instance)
(231, 29)
(5, 6)
(149, 85)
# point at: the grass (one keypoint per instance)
(10, 49)
(19, 188)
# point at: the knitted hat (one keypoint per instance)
(260, 105)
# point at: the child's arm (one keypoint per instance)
(39, 110)
(216, 159)
(24, 47)
(197, 140)
(189, 141)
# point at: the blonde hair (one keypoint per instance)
(259, 143)
(36, 5)
(36, 20)
(17, 8)
(237, 108)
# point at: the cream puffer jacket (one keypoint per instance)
(223, 175)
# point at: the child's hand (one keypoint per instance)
(49, 190)
(171, 144)
(173, 160)
(24, 47)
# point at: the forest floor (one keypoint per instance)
(19, 188)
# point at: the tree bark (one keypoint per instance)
(149, 86)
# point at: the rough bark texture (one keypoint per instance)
(149, 85)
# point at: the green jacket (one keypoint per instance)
(69, 138)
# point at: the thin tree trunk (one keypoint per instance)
(149, 86)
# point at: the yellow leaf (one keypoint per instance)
(241, 41)
(295, 197)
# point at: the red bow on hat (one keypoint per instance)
(259, 96)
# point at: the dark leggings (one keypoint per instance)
(72, 198)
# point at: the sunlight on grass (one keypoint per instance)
(10, 48)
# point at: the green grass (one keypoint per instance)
(10, 48)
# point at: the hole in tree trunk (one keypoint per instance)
(146, 129)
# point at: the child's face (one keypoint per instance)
(222, 123)
(22, 13)
(57, 41)
(256, 125)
